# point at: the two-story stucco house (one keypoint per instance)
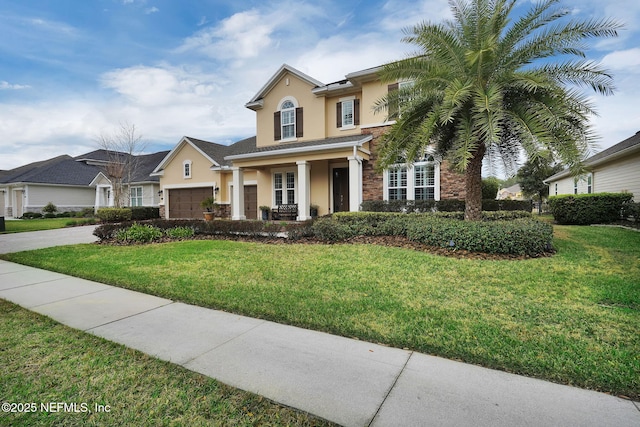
(315, 144)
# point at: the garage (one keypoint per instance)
(185, 202)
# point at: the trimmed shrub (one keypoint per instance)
(139, 233)
(447, 205)
(525, 236)
(141, 213)
(179, 232)
(631, 211)
(49, 215)
(584, 209)
(331, 230)
(301, 230)
(114, 214)
(31, 215)
(50, 208)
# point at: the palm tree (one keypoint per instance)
(486, 86)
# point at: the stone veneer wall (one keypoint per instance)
(451, 182)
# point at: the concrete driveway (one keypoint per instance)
(16, 242)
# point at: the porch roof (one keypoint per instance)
(302, 147)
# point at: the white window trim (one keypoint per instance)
(343, 101)
(295, 125)
(285, 199)
(184, 164)
(411, 180)
(141, 197)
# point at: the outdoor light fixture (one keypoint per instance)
(216, 190)
(160, 193)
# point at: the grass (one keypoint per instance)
(572, 318)
(20, 226)
(44, 362)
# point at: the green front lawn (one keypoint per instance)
(22, 225)
(44, 361)
(572, 318)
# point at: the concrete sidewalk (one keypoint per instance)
(350, 382)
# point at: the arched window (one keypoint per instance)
(288, 120)
(186, 169)
(287, 123)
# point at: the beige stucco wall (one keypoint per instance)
(200, 169)
(313, 110)
(371, 92)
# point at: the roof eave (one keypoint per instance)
(299, 150)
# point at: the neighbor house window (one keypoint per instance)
(186, 169)
(555, 187)
(589, 183)
(287, 121)
(575, 186)
(284, 188)
(136, 196)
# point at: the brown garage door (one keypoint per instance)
(185, 202)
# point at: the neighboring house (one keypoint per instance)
(510, 193)
(73, 184)
(315, 145)
(614, 170)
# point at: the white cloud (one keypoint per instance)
(8, 86)
(626, 60)
(151, 10)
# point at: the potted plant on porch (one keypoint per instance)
(209, 204)
(265, 212)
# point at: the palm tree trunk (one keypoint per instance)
(473, 186)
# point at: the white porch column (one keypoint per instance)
(355, 183)
(304, 190)
(96, 206)
(237, 201)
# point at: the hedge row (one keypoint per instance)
(447, 205)
(502, 232)
(253, 229)
(584, 209)
(136, 213)
(514, 232)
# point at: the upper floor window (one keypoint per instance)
(402, 94)
(287, 121)
(348, 113)
(186, 169)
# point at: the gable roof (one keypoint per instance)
(256, 102)
(621, 149)
(212, 151)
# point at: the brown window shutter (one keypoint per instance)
(393, 106)
(339, 114)
(356, 112)
(299, 124)
(277, 127)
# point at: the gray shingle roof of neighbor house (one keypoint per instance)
(61, 170)
(630, 144)
(67, 170)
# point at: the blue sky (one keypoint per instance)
(72, 70)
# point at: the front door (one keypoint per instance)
(340, 189)
(251, 201)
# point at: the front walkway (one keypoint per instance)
(350, 382)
